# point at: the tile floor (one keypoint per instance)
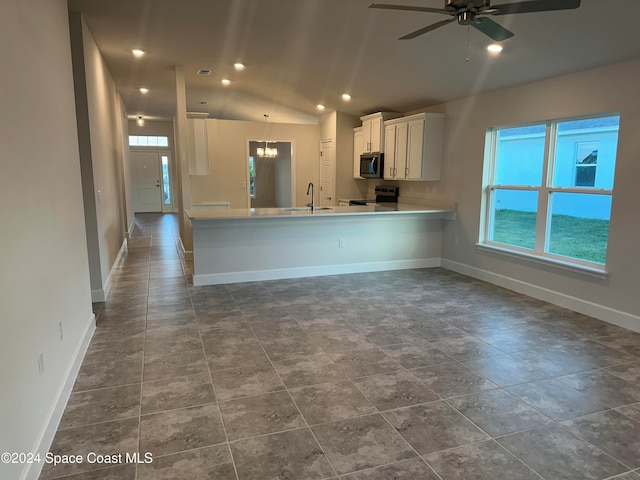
(420, 374)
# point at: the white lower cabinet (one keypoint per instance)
(414, 147)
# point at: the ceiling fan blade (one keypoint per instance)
(424, 30)
(492, 29)
(531, 6)
(386, 6)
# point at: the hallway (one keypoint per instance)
(416, 374)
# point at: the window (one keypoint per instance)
(148, 141)
(549, 188)
(586, 164)
(252, 176)
(165, 180)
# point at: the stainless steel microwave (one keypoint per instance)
(371, 165)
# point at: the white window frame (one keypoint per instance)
(544, 191)
(136, 139)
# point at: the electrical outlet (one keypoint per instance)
(341, 243)
(41, 363)
(60, 331)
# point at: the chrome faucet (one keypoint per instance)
(313, 200)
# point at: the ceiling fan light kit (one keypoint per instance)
(475, 12)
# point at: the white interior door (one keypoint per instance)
(147, 189)
(327, 173)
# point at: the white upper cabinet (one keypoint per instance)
(417, 147)
(395, 156)
(198, 144)
(373, 131)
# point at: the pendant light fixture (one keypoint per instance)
(266, 151)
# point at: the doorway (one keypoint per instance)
(270, 174)
(327, 173)
(151, 182)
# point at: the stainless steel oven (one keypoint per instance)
(383, 195)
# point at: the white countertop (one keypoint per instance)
(245, 213)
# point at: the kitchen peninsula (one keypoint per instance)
(241, 245)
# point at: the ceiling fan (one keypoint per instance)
(474, 12)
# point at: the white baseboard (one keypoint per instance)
(98, 295)
(601, 312)
(312, 271)
(187, 254)
(101, 294)
(130, 229)
(45, 438)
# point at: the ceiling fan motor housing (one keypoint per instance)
(466, 18)
(453, 5)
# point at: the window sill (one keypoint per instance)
(546, 261)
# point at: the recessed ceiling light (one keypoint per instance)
(225, 81)
(346, 97)
(144, 90)
(238, 66)
(320, 106)
(138, 53)
(494, 48)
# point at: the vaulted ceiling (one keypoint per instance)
(299, 53)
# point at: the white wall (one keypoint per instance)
(228, 156)
(339, 126)
(44, 277)
(182, 161)
(607, 89)
(101, 129)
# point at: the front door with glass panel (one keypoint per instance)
(147, 182)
